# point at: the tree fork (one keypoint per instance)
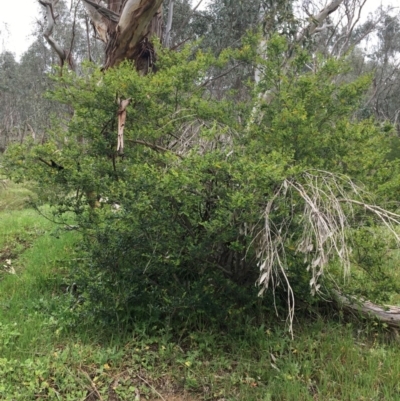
(127, 35)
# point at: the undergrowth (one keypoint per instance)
(49, 351)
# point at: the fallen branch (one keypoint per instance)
(388, 314)
(327, 204)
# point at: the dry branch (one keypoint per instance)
(388, 314)
(318, 19)
(328, 201)
(153, 146)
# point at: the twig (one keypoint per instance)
(93, 385)
(145, 381)
(66, 226)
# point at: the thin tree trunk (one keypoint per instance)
(169, 23)
(309, 30)
(48, 33)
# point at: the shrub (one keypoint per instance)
(209, 194)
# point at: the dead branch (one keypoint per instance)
(186, 21)
(88, 38)
(316, 20)
(387, 314)
(92, 385)
(220, 75)
(73, 30)
(328, 202)
(151, 387)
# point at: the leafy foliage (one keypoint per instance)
(195, 177)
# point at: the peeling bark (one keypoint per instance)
(100, 21)
(169, 23)
(126, 28)
(140, 19)
(103, 11)
(123, 104)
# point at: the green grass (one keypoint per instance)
(46, 353)
(13, 196)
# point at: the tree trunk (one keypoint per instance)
(315, 21)
(127, 28)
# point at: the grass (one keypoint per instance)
(13, 196)
(47, 354)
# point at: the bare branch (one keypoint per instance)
(223, 74)
(328, 209)
(153, 146)
(73, 32)
(318, 19)
(88, 38)
(49, 30)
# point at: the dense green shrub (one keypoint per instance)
(196, 178)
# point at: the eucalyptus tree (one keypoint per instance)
(384, 59)
(125, 27)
